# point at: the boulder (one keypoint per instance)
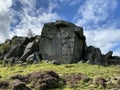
(113, 61)
(13, 49)
(34, 58)
(94, 55)
(109, 59)
(108, 55)
(62, 41)
(17, 46)
(30, 48)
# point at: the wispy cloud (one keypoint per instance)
(107, 39)
(96, 16)
(93, 12)
(33, 18)
(70, 2)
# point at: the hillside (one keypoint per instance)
(70, 74)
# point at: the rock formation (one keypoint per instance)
(60, 41)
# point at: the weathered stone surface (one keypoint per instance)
(94, 55)
(62, 41)
(109, 59)
(16, 47)
(108, 55)
(30, 49)
(34, 58)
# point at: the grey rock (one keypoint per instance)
(94, 55)
(108, 55)
(113, 61)
(16, 47)
(55, 62)
(62, 41)
(34, 58)
(30, 48)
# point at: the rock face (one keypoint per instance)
(20, 49)
(94, 55)
(62, 41)
(109, 59)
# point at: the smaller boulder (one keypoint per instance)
(34, 58)
(108, 55)
(94, 55)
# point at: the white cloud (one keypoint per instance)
(106, 39)
(4, 19)
(5, 4)
(94, 11)
(91, 15)
(33, 21)
(70, 2)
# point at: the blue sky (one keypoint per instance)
(99, 18)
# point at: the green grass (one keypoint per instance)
(91, 70)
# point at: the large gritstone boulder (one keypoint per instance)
(62, 41)
(94, 55)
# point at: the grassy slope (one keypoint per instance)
(90, 70)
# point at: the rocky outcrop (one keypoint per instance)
(109, 59)
(62, 41)
(20, 49)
